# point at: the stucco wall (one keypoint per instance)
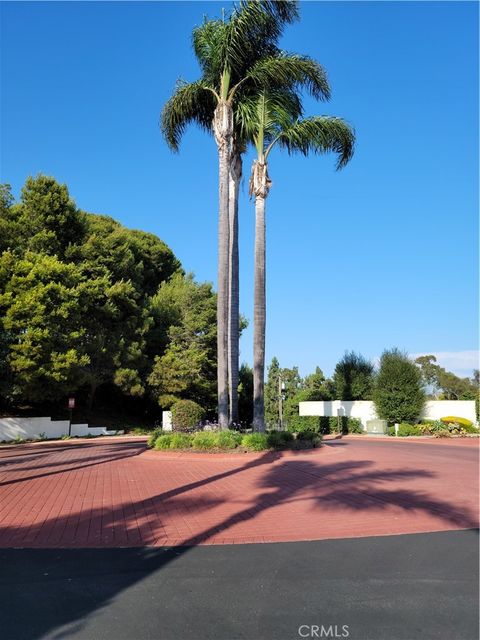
(31, 428)
(365, 409)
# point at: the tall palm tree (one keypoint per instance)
(270, 120)
(231, 56)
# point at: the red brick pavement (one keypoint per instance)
(115, 493)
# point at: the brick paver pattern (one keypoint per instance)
(119, 494)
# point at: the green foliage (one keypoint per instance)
(316, 387)
(398, 394)
(405, 430)
(287, 382)
(153, 437)
(82, 307)
(228, 439)
(45, 220)
(186, 414)
(463, 422)
(447, 384)
(185, 324)
(204, 440)
(298, 424)
(255, 441)
(353, 378)
(245, 395)
(271, 394)
(180, 441)
(42, 307)
(279, 439)
(163, 441)
(325, 424)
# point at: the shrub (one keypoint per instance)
(163, 441)
(279, 439)
(255, 441)
(463, 422)
(153, 437)
(204, 440)
(186, 414)
(228, 439)
(304, 423)
(180, 441)
(307, 439)
(470, 429)
(353, 377)
(354, 425)
(444, 433)
(405, 429)
(398, 394)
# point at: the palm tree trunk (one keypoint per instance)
(223, 130)
(233, 307)
(259, 185)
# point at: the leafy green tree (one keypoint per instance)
(446, 383)
(353, 377)
(398, 393)
(75, 296)
(316, 387)
(8, 229)
(245, 395)
(41, 307)
(286, 382)
(126, 254)
(272, 417)
(184, 323)
(46, 220)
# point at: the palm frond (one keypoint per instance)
(291, 70)
(284, 10)
(190, 102)
(319, 134)
(248, 28)
(207, 46)
(266, 112)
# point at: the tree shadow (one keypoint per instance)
(110, 453)
(171, 517)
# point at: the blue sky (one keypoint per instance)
(380, 254)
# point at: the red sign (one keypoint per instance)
(71, 403)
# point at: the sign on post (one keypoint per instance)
(71, 403)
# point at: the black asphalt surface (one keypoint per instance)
(406, 587)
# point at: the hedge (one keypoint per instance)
(325, 424)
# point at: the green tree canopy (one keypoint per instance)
(445, 383)
(353, 377)
(184, 314)
(398, 393)
(83, 303)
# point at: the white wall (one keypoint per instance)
(31, 428)
(365, 409)
(167, 421)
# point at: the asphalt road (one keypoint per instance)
(407, 587)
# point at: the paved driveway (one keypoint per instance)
(115, 493)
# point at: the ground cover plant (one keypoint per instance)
(233, 440)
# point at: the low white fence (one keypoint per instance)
(38, 428)
(365, 409)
